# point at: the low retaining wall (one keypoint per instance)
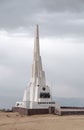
(71, 113)
(68, 107)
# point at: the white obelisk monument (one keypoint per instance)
(37, 94)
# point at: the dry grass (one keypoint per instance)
(14, 121)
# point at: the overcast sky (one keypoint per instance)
(61, 41)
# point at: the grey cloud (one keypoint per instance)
(63, 25)
(66, 70)
(56, 18)
(14, 73)
(15, 13)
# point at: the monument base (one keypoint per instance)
(25, 111)
(51, 110)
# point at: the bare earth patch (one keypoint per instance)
(15, 121)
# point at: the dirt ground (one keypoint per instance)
(14, 121)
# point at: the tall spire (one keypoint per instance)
(36, 44)
(37, 72)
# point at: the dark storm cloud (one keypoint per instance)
(63, 5)
(63, 17)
